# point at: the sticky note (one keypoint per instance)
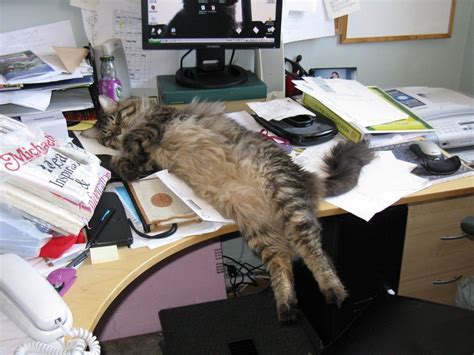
(104, 254)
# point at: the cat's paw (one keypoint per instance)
(125, 168)
(288, 313)
(335, 295)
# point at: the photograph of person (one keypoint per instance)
(349, 73)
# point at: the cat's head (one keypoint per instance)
(116, 118)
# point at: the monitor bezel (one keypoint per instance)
(235, 45)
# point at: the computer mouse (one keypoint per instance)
(427, 150)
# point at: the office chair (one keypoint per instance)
(382, 324)
(393, 324)
(403, 325)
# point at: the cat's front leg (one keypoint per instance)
(134, 159)
(126, 167)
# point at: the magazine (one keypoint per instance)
(23, 65)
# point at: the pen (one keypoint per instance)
(104, 220)
(106, 217)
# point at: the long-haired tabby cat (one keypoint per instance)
(249, 179)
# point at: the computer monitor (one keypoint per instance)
(210, 27)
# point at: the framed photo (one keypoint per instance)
(348, 73)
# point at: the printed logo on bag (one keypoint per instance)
(161, 200)
(22, 155)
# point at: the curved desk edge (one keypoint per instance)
(98, 285)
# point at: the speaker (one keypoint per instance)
(115, 48)
(270, 68)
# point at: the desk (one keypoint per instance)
(98, 285)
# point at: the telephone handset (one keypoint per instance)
(33, 304)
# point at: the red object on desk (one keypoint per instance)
(290, 89)
(58, 245)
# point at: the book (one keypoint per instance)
(23, 65)
(158, 206)
(355, 133)
(172, 93)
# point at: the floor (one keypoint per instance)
(149, 343)
(140, 344)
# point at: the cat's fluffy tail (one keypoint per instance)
(343, 165)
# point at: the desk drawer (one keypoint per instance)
(439, 288)
(427, 257)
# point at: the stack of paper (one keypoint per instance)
(36, 61)
(358, 110)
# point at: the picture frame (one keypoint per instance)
(348, 73)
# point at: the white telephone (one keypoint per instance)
(451, 113)
(33, 304)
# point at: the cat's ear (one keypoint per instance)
(107, 104)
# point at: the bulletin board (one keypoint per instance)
(398, 20)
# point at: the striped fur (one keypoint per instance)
(272, 200)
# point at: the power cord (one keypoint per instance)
(239, 272)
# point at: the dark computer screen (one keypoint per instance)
(210, 27)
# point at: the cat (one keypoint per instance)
(272, 200)
(194, 22)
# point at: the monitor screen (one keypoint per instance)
(228, 24)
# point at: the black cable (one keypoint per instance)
(231, 57)
(238, 272)
(165, 234)
(182, 58)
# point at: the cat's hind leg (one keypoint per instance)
(308, 246)
(278, 261)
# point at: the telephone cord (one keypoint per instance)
(81, 338)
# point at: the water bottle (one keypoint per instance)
(109, 84)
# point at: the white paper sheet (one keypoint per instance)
(278, 109)
(338, 8)
(182, 232)
(186, 194)
(246, 120)
(52, 122)
(310, 23)
(382, 183)
(351, 100)
(39, 39)
(37, 99)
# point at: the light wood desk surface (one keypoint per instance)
(98, 285)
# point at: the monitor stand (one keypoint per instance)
(210, 71)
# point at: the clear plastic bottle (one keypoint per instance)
(109, 84)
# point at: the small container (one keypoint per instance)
(109, 84)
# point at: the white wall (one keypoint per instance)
(466, 82)
(438, 62)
